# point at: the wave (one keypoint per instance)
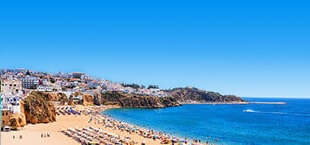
(249, 110)
(278, 113)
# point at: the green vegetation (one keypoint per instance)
(194, 94)
(52, 80)
(153, 87)
(137, 101)
(133, 85)
(136, 86)
(28, 73)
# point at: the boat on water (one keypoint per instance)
(249, 110)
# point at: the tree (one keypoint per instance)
(153, 87)
(52, 80)
(28, 73)
(135, 86)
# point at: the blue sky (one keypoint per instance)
(257, 48)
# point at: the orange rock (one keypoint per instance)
(18, 120)
(88, 100)
(38, 109)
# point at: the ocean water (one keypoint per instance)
(251, 124)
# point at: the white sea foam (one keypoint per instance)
(249, 110)
(278, 113)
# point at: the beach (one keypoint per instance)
(38, 134)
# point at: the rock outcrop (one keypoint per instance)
(201, 96)
(97, 99)
(88, 100)
(38, 108)
(138, 101)
(70, 100)
(62, 98)
(18, 120)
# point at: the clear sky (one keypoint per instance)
(258, 48)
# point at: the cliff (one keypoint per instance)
(97, 99)
(17, 120)
(88, 100)
(38, 109)
(201, 96)
(137, 101)
(55, 96)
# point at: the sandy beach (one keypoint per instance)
(38, 134)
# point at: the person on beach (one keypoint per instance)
(90, 120)
(143, 143)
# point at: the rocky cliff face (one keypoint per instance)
(194, 94)
(97, 99)
(38, 109)
(18, 120)
(55, 96)
(70, 100)
(138, 101)
(88, 100)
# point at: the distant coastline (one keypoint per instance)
(214, 103)
(270, 103)
(234, 103)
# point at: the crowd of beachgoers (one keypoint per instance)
(99, 136)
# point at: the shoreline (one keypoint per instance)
(168, 136)
(73, 129)
(203, 103)
(232, 103)
(213, 103)
(190, 140)
(92, 116)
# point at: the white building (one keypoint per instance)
(30, 82)
(45, 82)
(45, 88)
(93, 84)
(11, 103)
(11, 86)
(58, 86)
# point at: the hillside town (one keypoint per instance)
(16, 84)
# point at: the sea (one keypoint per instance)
(249, 124)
